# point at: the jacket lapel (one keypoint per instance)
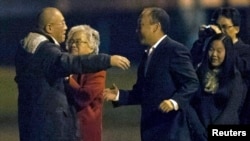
(155, 56)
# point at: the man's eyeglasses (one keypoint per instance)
(226, 26)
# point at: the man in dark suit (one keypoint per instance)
(44, 112)
(165, 83)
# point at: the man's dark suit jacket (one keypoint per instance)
(170, 75)
(44, 112)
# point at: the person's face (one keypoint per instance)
(79, 44)
(227, 27)
(216, 53)
(58, 28)
(145, 28)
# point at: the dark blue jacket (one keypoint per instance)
(170, 75)
(44, 112)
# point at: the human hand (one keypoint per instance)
(120, 62)
(110, 93)
(166, 106)
(209, 29)
(216, 29)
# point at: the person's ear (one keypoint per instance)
(48, 28)
(237, 29)
(156, 27)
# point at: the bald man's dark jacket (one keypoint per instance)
(44, 110)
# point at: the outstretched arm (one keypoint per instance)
(119, 61)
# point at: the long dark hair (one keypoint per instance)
(227, 68)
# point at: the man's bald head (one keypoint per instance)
(51, 22)
(46, 16)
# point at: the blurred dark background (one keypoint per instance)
(116, 21)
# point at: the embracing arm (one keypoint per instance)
(62, 63)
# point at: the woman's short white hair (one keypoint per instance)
(92, 36)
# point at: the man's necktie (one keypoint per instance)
(150, 52)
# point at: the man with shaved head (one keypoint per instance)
(44, 110)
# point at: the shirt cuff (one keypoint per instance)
(175, 104)
(117, 96)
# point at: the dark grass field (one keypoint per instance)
(119, 124)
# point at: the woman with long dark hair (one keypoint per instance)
(222, 89)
